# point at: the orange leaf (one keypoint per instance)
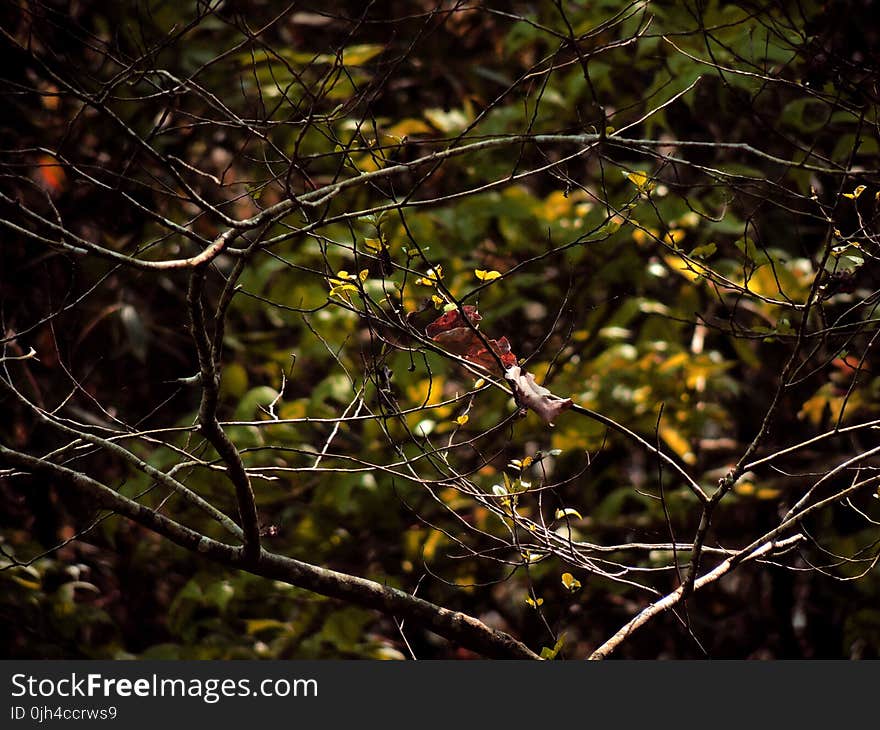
(50, 174)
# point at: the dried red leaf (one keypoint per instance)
(453, 319)
(502, 347)
(452, 333)
(458, 341)
(480, 355)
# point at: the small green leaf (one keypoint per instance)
(704, 251)
(548, 653)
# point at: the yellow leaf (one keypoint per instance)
(438, 302)
(689, 270)
(479, 383)
(256, 625)
(768, 493)
(570, 582)
(431, 544)
(642, 237)
(674, 237)
(640, 180)
(428, 393)
(567, 512)
(461, 420)
(432, 277)
(484, 275)
(678, 443)
(340, 289)
(825, 405)
(375, 244)
(29, 584)
(409, 127)
(855, 193)
(359, 54)
(369, 161)
(637, 178)
(364, 274)
(548, 653)
(557, 205)
(533, 603)
(343, 274)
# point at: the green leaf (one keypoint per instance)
(219, 594)
(248, 406)
(359, 54)
(845, 258)
(704, 251)
(548, 653)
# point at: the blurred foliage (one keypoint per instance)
(613, 267)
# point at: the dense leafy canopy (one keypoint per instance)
(663, 211)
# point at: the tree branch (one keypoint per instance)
(210, 426)
(452, 625)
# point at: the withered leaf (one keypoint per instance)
(547, 405)
(452, 320)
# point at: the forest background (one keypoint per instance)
(275, 279)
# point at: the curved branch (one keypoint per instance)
(453, 625)
(210, 426)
